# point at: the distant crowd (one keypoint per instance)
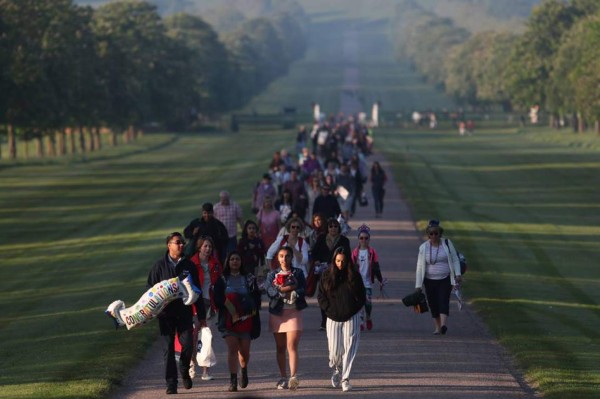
(294, 246)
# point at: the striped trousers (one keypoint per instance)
(342, 341)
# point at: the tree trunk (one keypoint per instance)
(81, 140)
(72, 146)
(26, 148)
(62, 142)
(597, 126)
(51, 144)
(114, 142)
(39, 146)
(97, 138)
(90, 134)
(581, 127)
(129, 134)
(12, 143)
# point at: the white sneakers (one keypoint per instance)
(346, 386)
(293, 383)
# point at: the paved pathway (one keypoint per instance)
(399, 358)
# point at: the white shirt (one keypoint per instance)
(363, 266)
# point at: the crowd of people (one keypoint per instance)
(295, 246)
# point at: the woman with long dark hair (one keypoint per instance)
(322, 252)
(238, 298)
(252, 249)
(378, 179)
(342, 295)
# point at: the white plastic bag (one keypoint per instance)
(206, 356)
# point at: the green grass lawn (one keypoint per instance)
(73, 238)
(525, 209)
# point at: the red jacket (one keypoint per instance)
(215, 270)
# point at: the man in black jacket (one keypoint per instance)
(210, 226)
(326, 203)
(177, 317)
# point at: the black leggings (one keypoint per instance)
(438, 296)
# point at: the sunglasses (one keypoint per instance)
(294, 227)
(178, 242)
(334, 225)
(434, 234)
(363, 238)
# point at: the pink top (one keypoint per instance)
(269, 227)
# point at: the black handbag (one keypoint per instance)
(255, 333)
(418, 300)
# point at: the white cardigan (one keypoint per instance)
(300, 264)
(452, 261)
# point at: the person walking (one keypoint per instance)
(322, 252)
(378, 180)
(230, 214)
(367, 262)
(262, 190)
(207, 225)
(176, 318)
(342, 296)
(269, 222)
(252, 249)
(209, 271)
(293, 240)
(438, 269)
(326, 203)
(285, 289)
(238, 299)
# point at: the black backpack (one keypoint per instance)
(461, 259)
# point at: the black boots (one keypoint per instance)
(244, 382)
(233, 383)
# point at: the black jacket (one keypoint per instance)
(343, 301)
(213, 228)
(322, 253)
(327, 205)
(162, 270)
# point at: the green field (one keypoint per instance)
(523, 205)
(527, 214)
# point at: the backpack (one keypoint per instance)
(461, 259)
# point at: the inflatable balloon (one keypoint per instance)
(152, 302)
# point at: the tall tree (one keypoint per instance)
(210, 75)
(28, 100)
(531, 62)
(131, 43)
(576, 77)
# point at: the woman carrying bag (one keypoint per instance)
(238, 299)
(285, 289)
(438, 269)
